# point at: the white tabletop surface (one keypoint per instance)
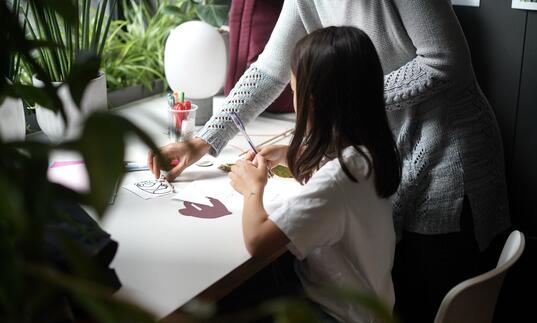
(165, 259)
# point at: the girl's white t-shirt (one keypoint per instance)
(343, 236)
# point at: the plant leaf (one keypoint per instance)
(38, 43)
(65, 8)
(294, 311)
(172, 10)
(102, 145)
(84, 69)
(33, 95)
(96, 299)
(11, 207)
(367, 301)
(213, 14)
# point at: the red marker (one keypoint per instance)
(178, 116)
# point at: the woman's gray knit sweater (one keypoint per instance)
(444, 127)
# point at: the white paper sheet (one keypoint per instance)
(276, 192)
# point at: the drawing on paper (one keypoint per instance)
(154, 187)
(215, 210)
(149, 189)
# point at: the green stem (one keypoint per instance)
(85, 24)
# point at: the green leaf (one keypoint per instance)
(38, 43)
(11, 206)
(65, 8)
(102, 146)
(96, 299)
(34, 95)
(213, 14)
(371, 303)
(106, 30)
(289, 310)
(172, 10)
(282, 171)
(84, 69)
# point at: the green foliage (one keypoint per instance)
(15, 66)
(213, 12)
(31, 288)
(282, 171)
(16, 51)
(79, 29)
(28, 202)
(134, 50)
(370, 303)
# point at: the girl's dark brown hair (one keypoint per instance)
(340, 103)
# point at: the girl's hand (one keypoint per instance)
(178, 156)
(248, 178)
(273, 154)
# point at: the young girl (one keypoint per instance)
(340, 225)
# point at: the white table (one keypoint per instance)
(166, 259)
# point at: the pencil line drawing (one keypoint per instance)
(155, 187)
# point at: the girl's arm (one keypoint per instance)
(261, 236)
(443, 58)
(261, 83)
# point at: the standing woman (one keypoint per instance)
(452, 200)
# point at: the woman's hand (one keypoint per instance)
(249, 178)
(178, 156)
(273, 154)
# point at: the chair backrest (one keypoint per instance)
(474, 300)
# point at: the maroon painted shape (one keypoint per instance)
(215, 210)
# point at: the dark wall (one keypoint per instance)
(524, 171)
(503, 42)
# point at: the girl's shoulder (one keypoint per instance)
(356, 161)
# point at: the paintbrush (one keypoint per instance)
(273, 139)
(238, 123)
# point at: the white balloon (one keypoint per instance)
(195, 60)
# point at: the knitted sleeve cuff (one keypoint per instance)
(254, 91)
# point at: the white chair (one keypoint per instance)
(474, 300)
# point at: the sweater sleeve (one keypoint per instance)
(261, 83)
(442, 55)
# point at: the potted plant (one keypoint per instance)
(12, 121)
(134, 49)
(134, 52)
(85, 36)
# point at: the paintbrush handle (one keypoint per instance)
(273, 139)
(238, 123)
